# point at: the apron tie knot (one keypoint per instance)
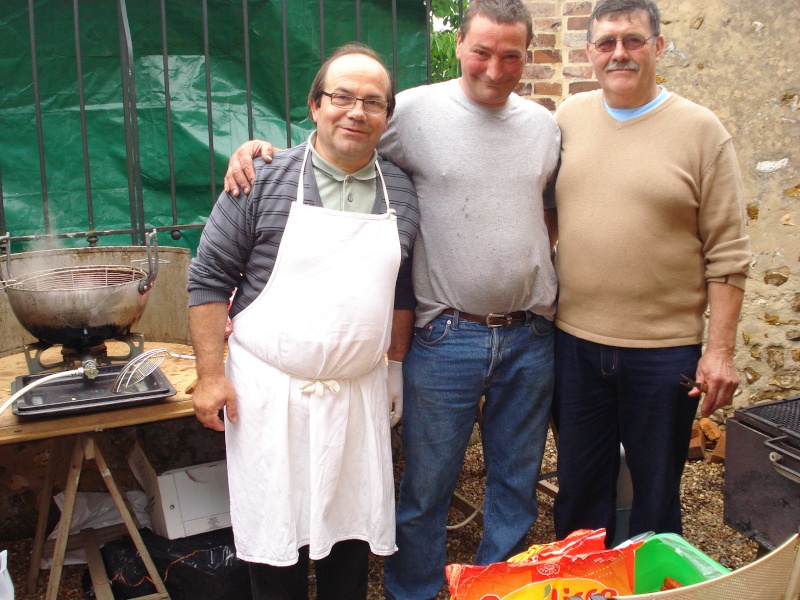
(317, 386)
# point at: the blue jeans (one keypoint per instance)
(452, 363)
(607, 395)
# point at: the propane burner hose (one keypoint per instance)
(89, 368)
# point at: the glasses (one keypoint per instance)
(376, 107)
(630, 42)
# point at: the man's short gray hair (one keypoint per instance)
(499, 11)
(614, 8)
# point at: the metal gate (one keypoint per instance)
(117, 117)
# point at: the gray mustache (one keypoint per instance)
(621, 66)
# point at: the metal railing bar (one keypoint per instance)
(75, 235)
(131, 124)
(82, 103)
(428, 27)
(2, 203)
(209, 115)
(38, 110)
(171, 228)
(394, 41)
(126, 119)
(247, 80)
(168, 113)
(287, 110)
(321, 31)
(358, 20)
(460, 18)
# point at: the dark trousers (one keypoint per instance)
(342, 575)
(607, 395)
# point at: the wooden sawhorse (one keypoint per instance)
(84, 448)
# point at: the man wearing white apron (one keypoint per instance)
(314, 253)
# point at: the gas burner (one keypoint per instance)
(72, 357)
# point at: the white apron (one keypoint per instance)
(309, 459)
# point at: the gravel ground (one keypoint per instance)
(703, 527)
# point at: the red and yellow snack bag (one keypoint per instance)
(576, 566)
(582, 541)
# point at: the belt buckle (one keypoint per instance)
(498, 320)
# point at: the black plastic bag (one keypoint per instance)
(200, 566)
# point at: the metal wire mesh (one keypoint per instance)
(783, 413)
(77, 278)
(138, 369)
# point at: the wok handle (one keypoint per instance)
(152, 262)
(777, 455)
(5, 240)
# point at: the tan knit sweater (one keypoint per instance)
(649, 211)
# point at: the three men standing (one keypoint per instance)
(651, 230)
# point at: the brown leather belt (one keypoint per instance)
(492, 319)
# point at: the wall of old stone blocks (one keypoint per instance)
(741, 59)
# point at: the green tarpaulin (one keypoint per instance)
(54, 199)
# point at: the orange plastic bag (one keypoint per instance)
(579, 566)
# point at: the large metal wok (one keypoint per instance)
(81, 306)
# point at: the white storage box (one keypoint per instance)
(6, 585)
(186, 501)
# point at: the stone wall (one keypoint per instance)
(741, 59)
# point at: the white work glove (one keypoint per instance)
(395, 385)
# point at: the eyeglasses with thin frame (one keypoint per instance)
(630, 42)
(376, 107)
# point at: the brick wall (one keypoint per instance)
(557, 63)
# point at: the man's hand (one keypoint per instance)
(213, 391)
(240, 173)
(212, 394)
(716, 370)
(395, 384)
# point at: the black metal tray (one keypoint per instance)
(77, 394)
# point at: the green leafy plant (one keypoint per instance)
(444, 64)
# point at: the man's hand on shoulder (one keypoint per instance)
(240, 173)
(212, 394)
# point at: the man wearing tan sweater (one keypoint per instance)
(651, 233)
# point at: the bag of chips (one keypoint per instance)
(578, 565)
